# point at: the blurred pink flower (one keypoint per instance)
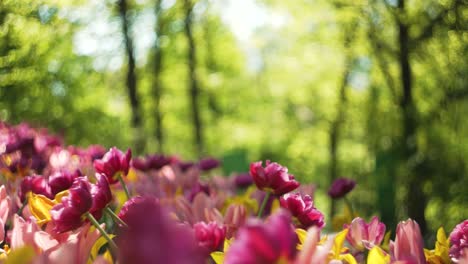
(113, 162)
(408, 245)
(459, 241)
(273, 178)
(302, 208)
(340, 187)
(234, 218)
(362, 235)
(312, 251)
(73, 247)
(264, 243)
(23, 232)
(5, 207)
(153, 237)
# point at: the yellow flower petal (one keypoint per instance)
(338, 243)
(40, 206)
(348, 258)
(22, 255)
(218, 257)
(301, 235)
(377, 256)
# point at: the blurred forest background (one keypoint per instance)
(374, 90)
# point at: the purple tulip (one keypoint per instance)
(264, 243)
(303, 210)
(362, 235)
(68, 215)
(101, 194)
(340, 187)
(113, 162)
(459, 241)
(243, 180)
(273, 178)
(208, 164)
(62, 180)
(156, 162)
(36, 184)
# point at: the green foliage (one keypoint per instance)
(282, 109)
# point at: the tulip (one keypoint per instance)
(60, 181)
(263, 243)
(340, 187)
(153, 237)
(303, 210)
(459, 241)
(208, 164)
(273, 178)
(243, 180)
(113, 162)
(210, 236)
(235, 217)
(101, 194)
(409, 244)
(156, 162)
(68, 214)
(36, 184)
(362, 235)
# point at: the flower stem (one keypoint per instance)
(103, 233)
(350, 206)
(115, 217)
(264, 202)
(124, 186)
(20, 211)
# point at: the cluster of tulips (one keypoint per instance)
(65, 204)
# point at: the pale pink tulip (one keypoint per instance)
(312, 252)
(408, 245)
(362, 235)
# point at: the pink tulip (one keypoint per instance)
(303, 209)
(273, 178)
(113, 162)
(5, 207)
(408, 244)
(23, 232)
(311, 251)
(459, 241)
(263, 243)
(210, 236)
(362, 235)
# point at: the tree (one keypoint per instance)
(131, 80)
(194, 89)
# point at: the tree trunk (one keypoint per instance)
(416, 199)
(157, 85)
(131, 78)
(335, 128)
(194, 90)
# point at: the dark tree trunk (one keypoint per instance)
(194, 90)
(385, 162)
(336, 124)
(416, 199)
(157, 85)
(131, 78)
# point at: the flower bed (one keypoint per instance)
(64, 203)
